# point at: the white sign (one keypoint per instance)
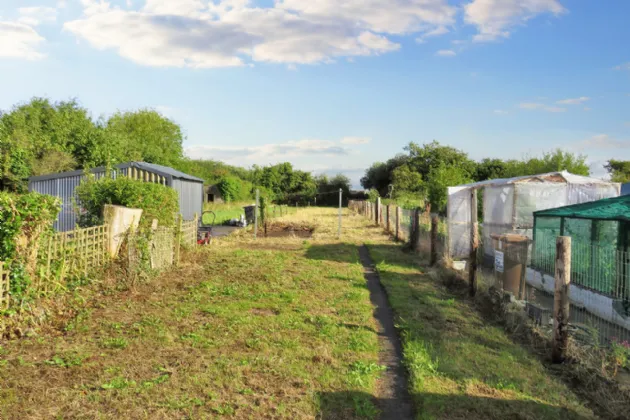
(498, 261)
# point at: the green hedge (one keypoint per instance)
(24, 219)
(156, 201)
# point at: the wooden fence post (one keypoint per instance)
(561, 299)
(388, 227)
(398, 220)
(434, 238)
(474, 244)
(377, 215)
(415, 231)
(178, 238)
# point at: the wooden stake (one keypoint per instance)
(561, 299)
(398, 220)
(434, 238)
(474, 244)
(387, 223)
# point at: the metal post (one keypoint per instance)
(340, 199)
(561, 299)
(256, 214)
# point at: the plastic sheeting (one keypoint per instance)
(508, 204)
(531, 197)
(459, 221)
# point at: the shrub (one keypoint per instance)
(24, 219)
(156, 201)
(234, 189)
(373, 195)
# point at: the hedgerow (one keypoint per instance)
(24, 219)
(157, 201)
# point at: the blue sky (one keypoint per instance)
(334, 85)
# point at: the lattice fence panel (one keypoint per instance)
(162, 248)
(189, 232)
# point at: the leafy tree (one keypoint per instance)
(619, 170)
(490, 169)
(150, 137)
(422, 159)
(405, 181)
(441, 177)
(555, 161)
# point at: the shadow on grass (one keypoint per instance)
(355, 405)
(349, 253)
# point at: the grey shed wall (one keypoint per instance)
(63, 186)
(190, 197)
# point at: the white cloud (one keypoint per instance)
(625, 66)
(573, 101)
(539, 106)
(269, 153)
(586, 108)
(603, 141)
(33, 16)
(195, 33)
(18, 40)
(500, 112)
(494, 19)
(355, 140)
(440, 30)
(446, 53)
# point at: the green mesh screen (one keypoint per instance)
(547, 229)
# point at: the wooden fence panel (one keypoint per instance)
(162, 248)
(189, 231)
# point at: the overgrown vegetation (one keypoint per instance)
(157, 201)
(24, 219)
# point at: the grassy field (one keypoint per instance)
(247, 329)
(228, 211)
(274, 327)
(462, 367)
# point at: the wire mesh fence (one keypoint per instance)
(599, 291)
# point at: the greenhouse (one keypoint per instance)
(600, 241)
(509, 204)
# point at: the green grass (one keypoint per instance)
(228, 211)
(273, 328)
(460, 365)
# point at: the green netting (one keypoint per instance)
(616, 208)
(595, 257)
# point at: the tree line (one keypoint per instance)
(41, 137)
(423, 172)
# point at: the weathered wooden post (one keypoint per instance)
(377, 215)
(387, 222)
(474, 243)
(561, 299)
(398, 220)
(415, 232)
(434, 238)
(178, 238)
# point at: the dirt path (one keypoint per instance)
(394, 400)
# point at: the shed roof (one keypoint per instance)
(554, 177)
(615, 208)
(151, 167)
(160, 170)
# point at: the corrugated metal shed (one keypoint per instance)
(63, 185)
